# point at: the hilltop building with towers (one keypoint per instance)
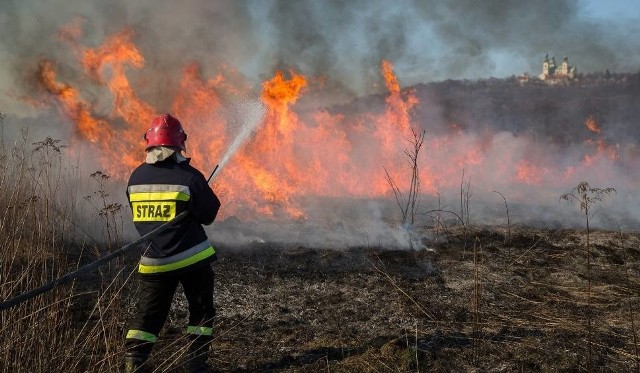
(552, 72)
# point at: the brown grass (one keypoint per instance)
(68, 329)
(514, 305)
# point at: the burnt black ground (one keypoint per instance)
(476, 300)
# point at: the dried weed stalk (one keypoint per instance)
(465, 197)
(587, 196)
(409, 204)
(506, 207)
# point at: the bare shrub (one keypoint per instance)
(587, 196)
(409, 202)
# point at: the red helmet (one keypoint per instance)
(165, 130)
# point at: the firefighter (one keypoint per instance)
(159, 189)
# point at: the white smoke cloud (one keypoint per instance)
(343, 41)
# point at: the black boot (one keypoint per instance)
(198, 354)
(134, 361)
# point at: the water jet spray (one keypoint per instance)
(246, 115)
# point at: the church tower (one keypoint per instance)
(553, 73)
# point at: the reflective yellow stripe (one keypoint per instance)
(158, 196)
(199, 330)
(142, 335)
(153, 211)
(141, 188)
(143, 268)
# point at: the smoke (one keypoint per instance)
(343, 41)
(341, 44)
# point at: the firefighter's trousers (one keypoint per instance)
(155, 296)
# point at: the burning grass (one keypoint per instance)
(275, 152)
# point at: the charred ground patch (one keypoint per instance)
(477, 301)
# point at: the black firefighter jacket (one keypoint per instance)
(157, 193)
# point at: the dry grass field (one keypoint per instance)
(473, 299)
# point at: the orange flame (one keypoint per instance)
(592, 125)
(602, 149)
(73, 106)
(529, 173)
(290, 156)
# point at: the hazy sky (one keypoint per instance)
(343, 41)
(612, 9)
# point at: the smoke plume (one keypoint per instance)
(338, 46)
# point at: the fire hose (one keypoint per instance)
(93, 265)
